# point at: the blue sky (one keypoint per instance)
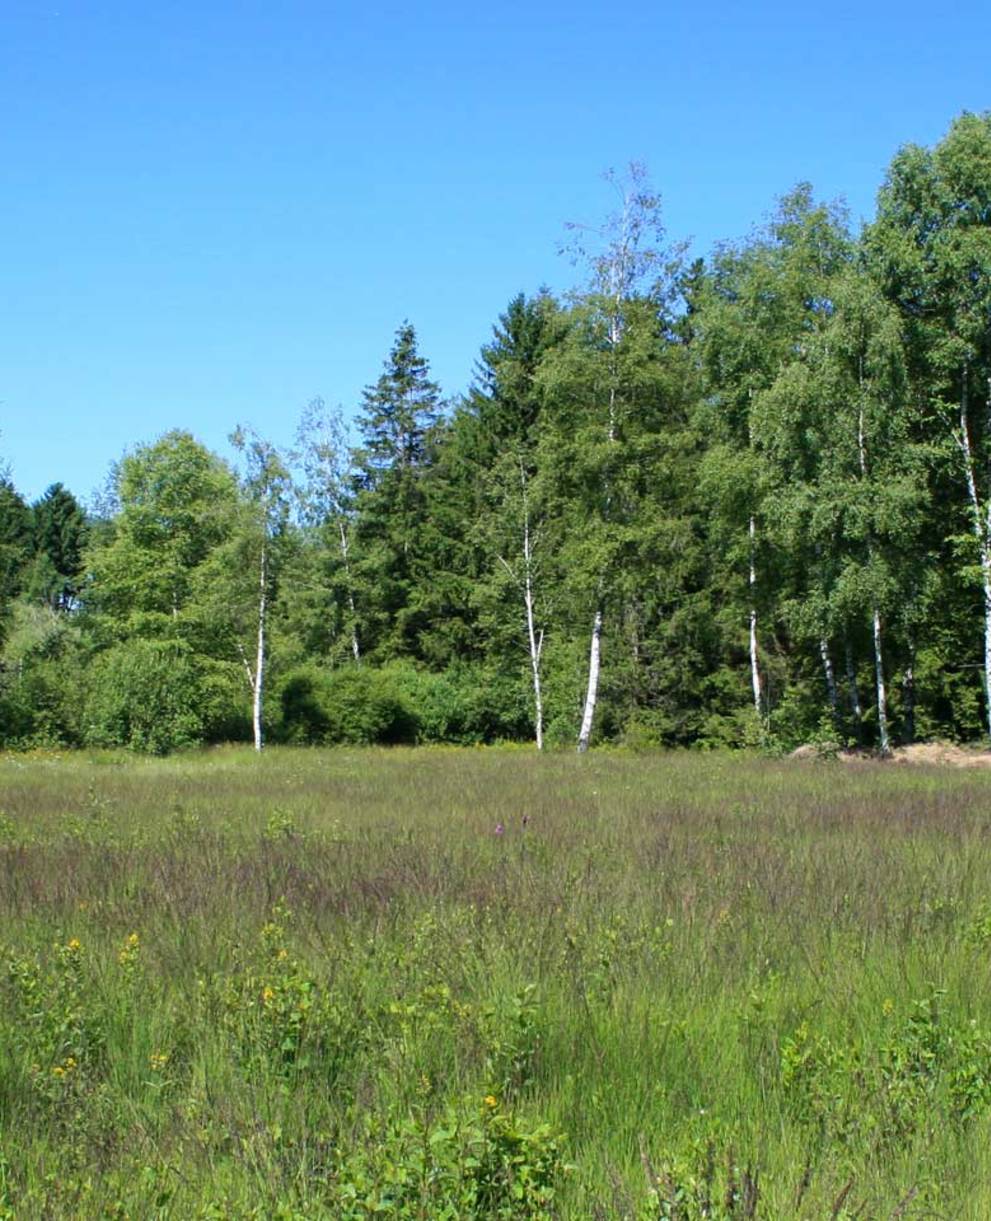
(212, 213)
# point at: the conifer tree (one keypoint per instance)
(59, 529)
(398, 416)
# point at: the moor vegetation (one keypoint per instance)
(483, 984)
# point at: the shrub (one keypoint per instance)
(159, 696)
(356, 705)
(362, 705)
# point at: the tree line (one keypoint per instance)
(738, 500)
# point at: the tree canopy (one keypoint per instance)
(743, 499)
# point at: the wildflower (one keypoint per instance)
(491, 1101)
(499, 829)
(74, 945)
(58, 1070)
(157, 1061)
(70, 1063)
(268, 995)
(132, 941)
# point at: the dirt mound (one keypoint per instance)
(930, 754)
(942, 754)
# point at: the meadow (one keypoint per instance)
(453, 983)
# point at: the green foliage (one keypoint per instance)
(700, 1187)
(159, 696)
(279, 1018)
(60, 532)
(879, 1093)
(487, 1165)
(15, 543)
(357, 705)
(42, 677)
(177, 503)
(765, 475)
(360, 705)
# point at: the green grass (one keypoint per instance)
(325, 984)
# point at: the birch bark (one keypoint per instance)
(884, 740)
(853, 690)
(830, 675)
(594, 657)
(266, 482)
(535, 637)
(981, 521)
(355, 646)
(258, 685)
(622, 263)
(755, 679)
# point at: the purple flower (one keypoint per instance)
(499, 828)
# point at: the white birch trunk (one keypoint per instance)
(258, 683)
(830, 673)
(882, 700)
(536, 646)
(981, 518)
(355, 647)
(754, 663)
(592, 692)
(908, 688)
(536, 639)
(851, 679)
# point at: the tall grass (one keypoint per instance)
(429, 983)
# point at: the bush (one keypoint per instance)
(159, 696)
(397, 703)
(465, 704)
(357, 706)
(41, 676)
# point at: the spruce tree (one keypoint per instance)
(393, 562)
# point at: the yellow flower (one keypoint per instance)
(157, 1061)
(491, 1101)
(74, 944)
(268, 995)
(58, 1070)
(133, 940)
(70, 1063)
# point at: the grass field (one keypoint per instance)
(454, 984)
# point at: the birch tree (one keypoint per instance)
(178, 506)
(762, 302)
(843, 404)
(522, 567)
(266, 485)
(621, 255)
(931, 249)
(492, 453)
(325, 498)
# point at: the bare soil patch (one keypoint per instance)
(930, 754)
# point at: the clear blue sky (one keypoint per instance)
(212, 213)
